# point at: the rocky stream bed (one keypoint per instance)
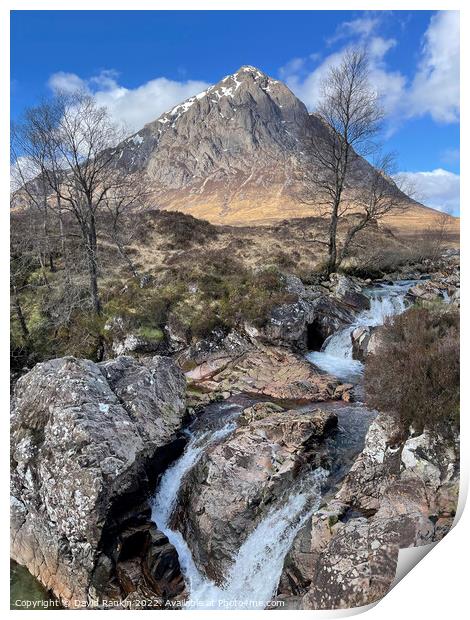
(256, 479)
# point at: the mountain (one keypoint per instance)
(228, 154)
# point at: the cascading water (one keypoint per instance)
(252, 579)
(336, 357)
(167, 495)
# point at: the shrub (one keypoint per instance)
(183, 229)
(252, 296)
(284, 260)
(203, 323)
(415, 371)
(153, 334)
(145, 307)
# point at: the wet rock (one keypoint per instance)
(364, 484)
(84, 439)
(349, 291)
(258, 411)
(266, 371)
(360, 337)
(161, 567)
(428, 291)
(306, 323)
(344, 391)
(233, 485)
(365, 341)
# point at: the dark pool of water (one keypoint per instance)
(26, 592)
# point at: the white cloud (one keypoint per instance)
(436, 86)
(389, 84)
(308, 87)
(66, 82)
(438, 188)
(132, 108)
(433, 90)
(362, 27)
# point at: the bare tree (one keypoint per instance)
(29, 189)
(119, 203)
(380, 196)
(70, 140)
(18, 274)
(338, 181)
(435, 238)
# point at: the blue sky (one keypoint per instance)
(141, 63)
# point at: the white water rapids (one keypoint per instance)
(252, 579)
(335, 358)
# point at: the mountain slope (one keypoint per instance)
(228, 154)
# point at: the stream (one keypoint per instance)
(252, 580)
(335, 356)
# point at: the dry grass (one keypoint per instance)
(289, 245)
(271, 203)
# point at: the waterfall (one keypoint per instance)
(336, 358)
(167, 492)
(253, 577)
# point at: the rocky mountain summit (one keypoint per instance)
(232, 153)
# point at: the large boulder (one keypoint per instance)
(338, 565)
(349, 291)
(233, 485)
(87, 441)
(365, 341)
(307, 323)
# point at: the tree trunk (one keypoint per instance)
(91, 245)
(48, 251)
(63, 245)
(124, 256)
(41, 259)
(93, 273)
(20, 315)
(332, 249)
